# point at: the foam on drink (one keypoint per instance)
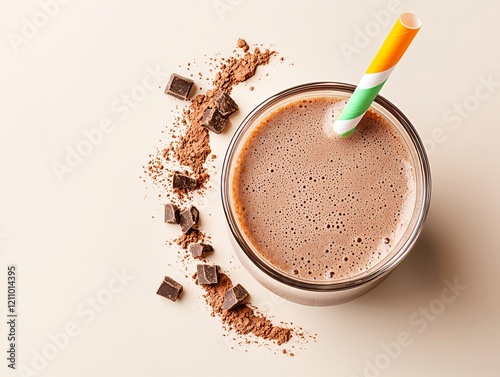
(323, 208)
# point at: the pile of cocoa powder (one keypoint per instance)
(189, 148)
(243, 319)
(192, 147)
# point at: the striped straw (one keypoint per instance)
(393, 48)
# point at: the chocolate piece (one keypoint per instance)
(199, 250)
(179, 86)
(225, 104)
(207, 274)
(183, 181)
(214, 120)
(171, 214)
(188, 218)
(170, 289)
(234, 297)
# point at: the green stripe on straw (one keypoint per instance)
(393, 48)
(359, 103)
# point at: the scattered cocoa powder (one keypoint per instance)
(192, 236)
(243, 318)
(241, 43)
(191, 148)
(235, 70)
(188, 150)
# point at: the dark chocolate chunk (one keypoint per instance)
(199, 250)
(234, 297)
(214, 120)
(179, 86)
(188, 218)
(207, 274)
(183, 181)
(225, 104)
(171, 214)
(170, 289)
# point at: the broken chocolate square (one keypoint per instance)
(179, 86)
(170, 289)
(225, 104)
(171, 214)
(234, 297)
(207, 274)
(199, 250)
(188, 218)
(181, 181)
(214, 120)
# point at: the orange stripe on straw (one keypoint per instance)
(396, 43)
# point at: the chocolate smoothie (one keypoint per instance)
(319, 207)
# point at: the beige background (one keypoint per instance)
(70, 237)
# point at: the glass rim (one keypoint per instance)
(385, 266)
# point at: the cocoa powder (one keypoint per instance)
(241, 43)
(243, 319)
(189, 147)
(193, 147)
(192, 236)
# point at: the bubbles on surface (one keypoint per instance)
(319, 207)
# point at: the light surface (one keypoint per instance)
(68, 238)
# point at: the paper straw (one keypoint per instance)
(393, 48)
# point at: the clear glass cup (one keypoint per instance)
(322, 293)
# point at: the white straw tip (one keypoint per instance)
(410, 20)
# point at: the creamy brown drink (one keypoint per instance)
(323, 208)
